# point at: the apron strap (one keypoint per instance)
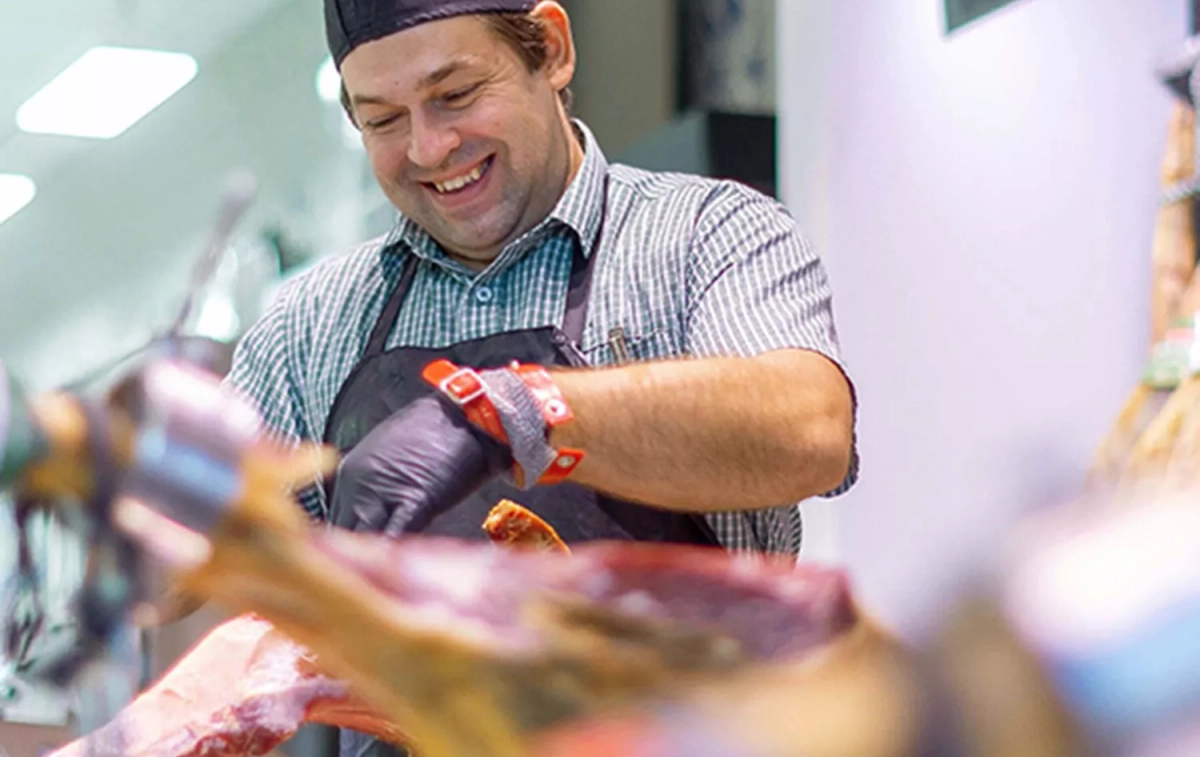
(580, 287)
(578, 291)
(391, 310)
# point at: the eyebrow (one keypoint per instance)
(432, 79)
(358, 100)
(442, 73)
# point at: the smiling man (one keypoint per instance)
(632, 355)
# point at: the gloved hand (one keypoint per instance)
(412, 467)
(433, 453)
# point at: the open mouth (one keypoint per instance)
(460, 183)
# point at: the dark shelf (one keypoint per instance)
(734, 146)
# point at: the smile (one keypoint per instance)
(459, 183)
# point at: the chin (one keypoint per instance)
(482, 246)
(475, 249)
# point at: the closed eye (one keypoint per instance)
(380, 123)
(459, 95)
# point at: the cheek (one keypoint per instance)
(388, 159)
(510, 123)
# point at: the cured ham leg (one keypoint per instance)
(1152, 454)
(1174, 252)
(519, 639)
(1175, 297)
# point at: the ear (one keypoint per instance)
(560, 46)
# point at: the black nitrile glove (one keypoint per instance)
(413, 467)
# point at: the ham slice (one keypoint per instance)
(513, 525)
(521, 618)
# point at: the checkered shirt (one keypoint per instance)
(686, 266)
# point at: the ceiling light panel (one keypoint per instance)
(329, 81)
(16, 192)
(105, 92)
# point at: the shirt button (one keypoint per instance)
(484, 295)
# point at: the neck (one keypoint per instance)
(475, 265)
(575, 150)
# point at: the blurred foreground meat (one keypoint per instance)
(244, 689)
(548, 638)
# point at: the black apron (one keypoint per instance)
(384, 381)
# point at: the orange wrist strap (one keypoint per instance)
(466, 388)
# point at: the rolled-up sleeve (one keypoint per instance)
(757, 285)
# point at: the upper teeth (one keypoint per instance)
(459, 182)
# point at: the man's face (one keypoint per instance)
(463, 138)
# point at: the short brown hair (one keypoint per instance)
(523, 32)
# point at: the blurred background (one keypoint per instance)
(980, 176)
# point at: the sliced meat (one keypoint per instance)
(512, 525)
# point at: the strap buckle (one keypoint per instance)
(566, 460)
(452, 387)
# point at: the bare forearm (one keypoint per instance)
(713, 434)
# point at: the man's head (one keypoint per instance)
(464, 117)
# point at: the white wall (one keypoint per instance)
(985, 204)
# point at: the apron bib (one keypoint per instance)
(384, 381)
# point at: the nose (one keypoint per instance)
(431, 142)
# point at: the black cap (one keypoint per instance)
(350, 23)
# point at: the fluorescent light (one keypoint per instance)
(105, 92)
(329, 82)
(218, 318)
(16, 192)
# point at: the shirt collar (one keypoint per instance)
(581, 209)
(582, 206)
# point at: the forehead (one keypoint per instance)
(405, 57)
